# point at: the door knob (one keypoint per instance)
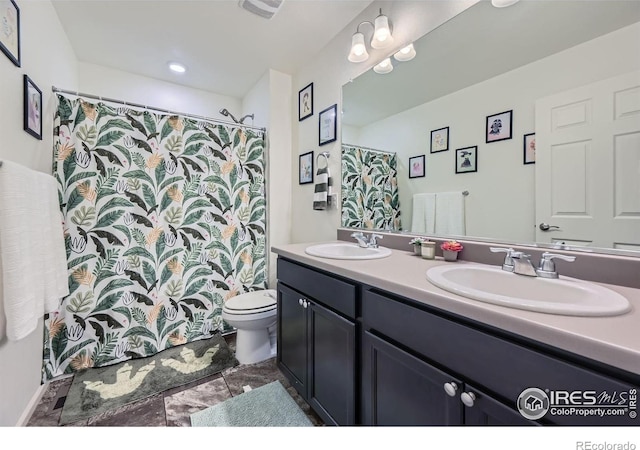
(451, 389)
(546, 227)
(468, 398)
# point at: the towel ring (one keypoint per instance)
(326, 159)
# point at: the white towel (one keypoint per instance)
(450, 218)
(34, 266)
(322, 190)
(424, 213)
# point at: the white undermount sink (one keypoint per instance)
(346, 250)
(565, 295)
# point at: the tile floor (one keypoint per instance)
(171, 408)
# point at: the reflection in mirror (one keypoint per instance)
(568, 71)
(369, 189)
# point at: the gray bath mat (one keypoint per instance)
(97, 390)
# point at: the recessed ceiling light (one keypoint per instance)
(503, 3)
(178, 68)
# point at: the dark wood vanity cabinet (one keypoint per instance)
(363, 356)
(316, 340)
(490, 370)
(399, 389)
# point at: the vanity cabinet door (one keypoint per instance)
(292, 338)
(331, 365)
(486, 410)
(399, 389)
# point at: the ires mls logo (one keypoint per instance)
(535, 403)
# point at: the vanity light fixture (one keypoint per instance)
(503, 3)
(177, 67)
(383, 66)
(382, 38)
(358, 51)
(406, 53)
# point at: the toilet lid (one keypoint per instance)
(252, 302)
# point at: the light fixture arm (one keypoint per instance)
(362, 23)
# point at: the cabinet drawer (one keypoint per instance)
(336, 294)
(490, 362)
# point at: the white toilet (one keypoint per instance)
(254, 316)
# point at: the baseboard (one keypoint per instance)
(31, 406)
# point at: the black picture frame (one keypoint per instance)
(305, 102)
(305, 168)
(10, 22)
(32, 108)
(436, 146)
(467, 159)
(529, 148)
(499, 127)
(327, 125)
(416, 166)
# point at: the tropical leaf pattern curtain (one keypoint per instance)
(165, 220)
(370, 189)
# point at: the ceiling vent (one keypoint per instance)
(263, 8)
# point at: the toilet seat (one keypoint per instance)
(255, 302)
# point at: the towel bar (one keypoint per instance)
(326, 158)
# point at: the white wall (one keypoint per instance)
(270, 99)
(48, 59)
(501, 203)
(116, 84)
(280, 151)
(328, 71)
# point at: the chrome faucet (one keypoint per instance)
(362, 240)
(522, 264)
(372, 240)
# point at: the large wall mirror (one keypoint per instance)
(521, 125)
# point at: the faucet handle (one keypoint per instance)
(547, 264)
(508, 264)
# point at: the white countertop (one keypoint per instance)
(611, 340)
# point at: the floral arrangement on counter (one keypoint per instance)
(417, 241)
(452, 246)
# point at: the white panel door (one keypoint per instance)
(588, 165)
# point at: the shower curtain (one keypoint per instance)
(165, 220)
(369, 189)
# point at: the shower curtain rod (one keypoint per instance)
(153, 108)
(370, 149)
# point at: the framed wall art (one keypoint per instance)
(416, 166)
(529, 148)
(327, 123)
(305, 102)
(32, 108)
(467, 159)
(499, 126)
(439, 140)
(306, 168)
(10, 30)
